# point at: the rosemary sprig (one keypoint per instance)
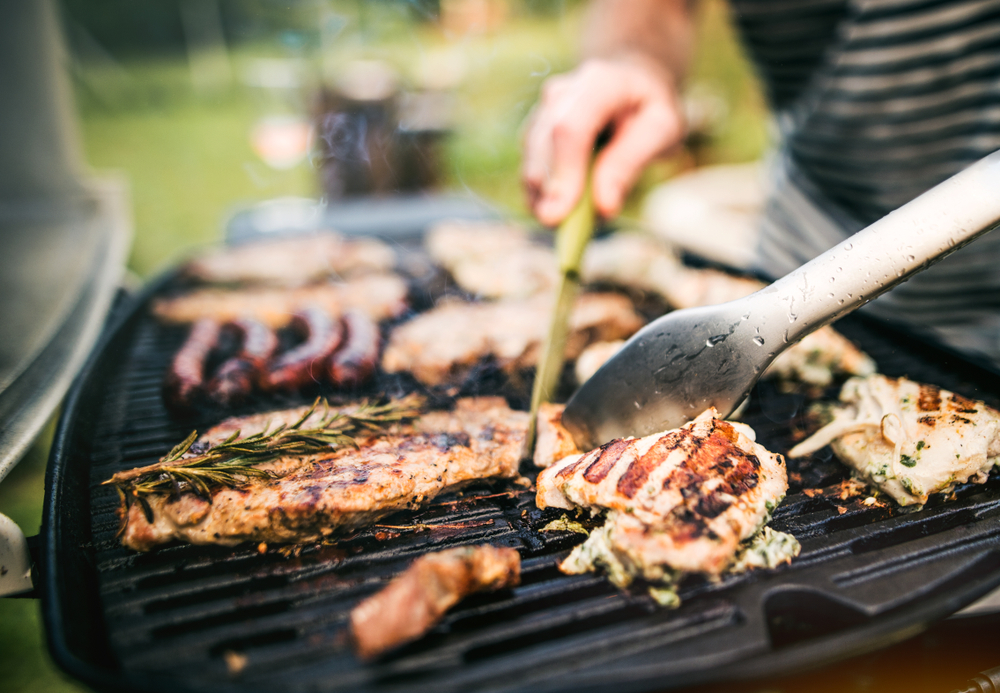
(231, 463)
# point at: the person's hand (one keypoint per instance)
(632, 96)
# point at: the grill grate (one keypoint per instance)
(205, 618)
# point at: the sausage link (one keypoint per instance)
(235, 378)
(304, 364)
(354, 363)
(185, 378)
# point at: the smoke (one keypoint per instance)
(345, 136)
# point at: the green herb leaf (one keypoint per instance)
(231, 463)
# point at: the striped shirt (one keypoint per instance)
(877, 101)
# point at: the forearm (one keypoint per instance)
(658, 30)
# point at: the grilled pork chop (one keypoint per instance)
(908, 439)
(292, 261)
(314, 496)
(680, 501)
(381, 296)
(442, 345)
(417, 598)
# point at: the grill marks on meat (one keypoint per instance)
(306, 363)
(909, 439)
(379, 296)
(355, 361)
(416, 599)
(678, 501)
(315, 496)
(443, 345)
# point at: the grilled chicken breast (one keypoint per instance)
(314, 496)
(381, 296)
(678, 501)
(416, 599)
(292, 261)
(909, 439)
(442, 345)
(552, 441)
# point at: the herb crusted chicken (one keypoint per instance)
(909, 439)
(678, 502)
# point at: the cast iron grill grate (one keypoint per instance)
(210, 618)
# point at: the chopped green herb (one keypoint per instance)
(907, 461)
(564, 524)
(665, 596)
(920, 445)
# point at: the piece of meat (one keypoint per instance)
(234, 380)
(678, 501)
(314, 496)
(292, 261)
(415, 600)
(306, 363)
(452, 242)
(909, 439)
(355, 361)
(820, 357)
(185, 379)
(593, 357)
(694, 287)
(633, 260)
(444, 344)
(380, 296)
(552, 441)
(492, 259)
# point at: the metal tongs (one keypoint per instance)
(689, 360)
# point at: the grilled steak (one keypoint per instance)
(292, 261)
(314, 496)
(415, 600)
(380, 296)
(442, 345)
(908, 439)
(679, 501)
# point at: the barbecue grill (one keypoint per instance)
(188, 618)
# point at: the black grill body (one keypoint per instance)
(187, 618)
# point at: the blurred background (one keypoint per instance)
(207, 106)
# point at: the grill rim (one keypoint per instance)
(70, 593)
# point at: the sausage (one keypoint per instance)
(185, 379)
(235, 378)
(355, 361)
(304, 364)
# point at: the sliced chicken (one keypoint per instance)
(909, 439)
(679, 501)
